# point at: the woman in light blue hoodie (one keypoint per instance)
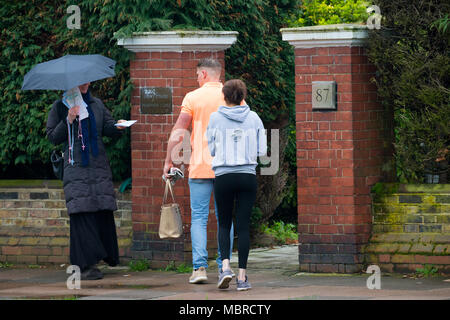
(236, 137)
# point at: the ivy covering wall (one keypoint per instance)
(36, 31)
(412, 56)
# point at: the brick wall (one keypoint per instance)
(149, 136)
(34, 225)
(339, 157)
(341, 151)
(411, 227)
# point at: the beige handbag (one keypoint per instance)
(170, 224)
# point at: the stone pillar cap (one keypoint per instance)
(333, 35)
(179, 41)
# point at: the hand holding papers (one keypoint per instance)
(128, 123)
(72, 98)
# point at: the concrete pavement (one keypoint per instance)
(273, 274)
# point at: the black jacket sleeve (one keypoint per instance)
(57, 123)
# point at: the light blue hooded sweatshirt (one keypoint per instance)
(236, 137)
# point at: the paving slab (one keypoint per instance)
(273, 273)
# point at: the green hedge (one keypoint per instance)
(35, 31)
(411, 53)
(323, 12)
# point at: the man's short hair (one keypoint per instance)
(209, 63)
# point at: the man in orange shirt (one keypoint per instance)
(197, 107)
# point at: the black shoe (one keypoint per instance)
(92, 273)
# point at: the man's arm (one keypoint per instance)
(183, 123)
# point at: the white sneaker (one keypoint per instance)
(198, 276)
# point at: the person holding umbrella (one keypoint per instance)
(88, 186)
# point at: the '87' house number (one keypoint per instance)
(324, 95)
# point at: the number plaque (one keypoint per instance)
(324, 95)
(156, 100)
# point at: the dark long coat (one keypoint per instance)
(89, 188)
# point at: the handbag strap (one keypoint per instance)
(167, 188)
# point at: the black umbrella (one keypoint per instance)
(68, 72)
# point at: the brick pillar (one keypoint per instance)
(340, 152)
(164, 60)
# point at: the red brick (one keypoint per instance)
(343, 78)
(202, 55)
(142, 55)
(324, 116)
(324, 135)
(307, 69)
(308, 219)
(137, 64)
(327, 229)
(341, 144)
(342, 68)
(344, 59)
(8, 250)
(322, 77)
(324, 220)
(155, 55)
(323, 51)
(156, 64)
(302, 79)
(140, 74)
(321, 172)
(348, 172)
(339, 200)
(324, 126)
(341, 125)
(340, 50)
(305, 52)
(303, 88)
(155, 82)
(322, 60)
(323, 69)
(324, 154)
(170, 55)
(308, 199)
(301, 163)
(344, 116)
(307, 144)
(175, 64)
(299, 61)
(307, 126)
(341, 181)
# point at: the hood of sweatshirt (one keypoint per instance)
(237, 113)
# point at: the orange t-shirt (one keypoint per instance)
(200, 103)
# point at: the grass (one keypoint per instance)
(5, 265)
(281, 231)
(182, 268)
(139, 265)
(427, 271)
(144, 265)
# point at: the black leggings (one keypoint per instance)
(228, 188)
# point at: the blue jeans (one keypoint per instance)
(200, 190)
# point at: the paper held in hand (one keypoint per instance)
(128, 123)
(72, 98)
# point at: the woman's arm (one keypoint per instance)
(56, 124)
(261, 138)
